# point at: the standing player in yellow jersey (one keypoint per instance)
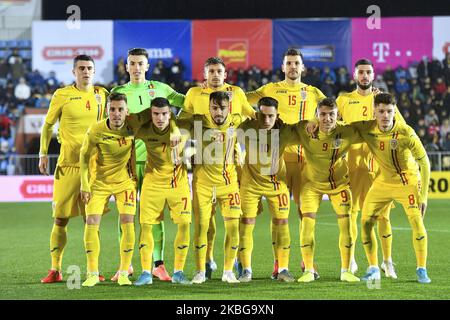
(297, 101)
(264, 174)
(404, 176)
(197, 102)
(215, 180)
(114, 175)
(76, 107)
(165, 182)
(358, 106)
(326, 173)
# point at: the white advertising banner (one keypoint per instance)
(26, 188)
(441, 37)
(56, 43)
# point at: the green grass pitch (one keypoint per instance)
(24, 240)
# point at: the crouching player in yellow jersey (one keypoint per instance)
(264, 174)
(297, 101)
(326, 173)
(114, 175)
(215, 180)
(165, 182)
(197, 102)
(398, 151)
(76, 107)
(358, 106)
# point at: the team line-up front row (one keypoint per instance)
(107, 167)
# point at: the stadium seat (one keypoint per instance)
(24, 44)
(12, 43)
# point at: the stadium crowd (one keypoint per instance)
(422, 90)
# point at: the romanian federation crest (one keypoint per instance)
(393, 143)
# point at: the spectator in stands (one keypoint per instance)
(436, 70)
(380, 83)
(342, 78)
(404, 102)
(4, 71)
(439, 87)
(412, 69)
(51, 81)
(37, 81)
(176, 72)
(430, 117)
(446, 65)
(265, 76)
(446, 101)
(389, 76)
(120, 72)
(433, 144)
(416, 92)
(402, 85)
(426, 86)
(17, 67)
(241, 78)
(329, 74)
(22, 91)
(254, 74)
(159, 72)
(445, 128)
(446, 143)
(422, 68)
(401, 73)
(231, 77)
(433, 128)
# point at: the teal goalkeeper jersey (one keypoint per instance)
(140, 96)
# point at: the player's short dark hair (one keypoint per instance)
(82, 57)
(115, 96)
(268, 102)
(363, 62)
(138, 52)
(293, 52)
(384, 98)
(160, 102)
(214, 60)
(219, 96)
(327, 102)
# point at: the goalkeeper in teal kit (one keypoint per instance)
(140, 92)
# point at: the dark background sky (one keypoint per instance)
(228, 9)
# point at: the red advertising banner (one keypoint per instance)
(240, 43)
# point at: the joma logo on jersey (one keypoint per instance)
(353, 102)
(281, 91)
(152, 140)
(107, 138)
(75, 98)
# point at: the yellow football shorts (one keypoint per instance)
(66, 193)
(381, 194)
(228, 197)
(341, 199)
(124, 194)
(154, 199)
(278, 202)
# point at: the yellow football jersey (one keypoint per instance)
(353, 107)
(327, 165)
(264, 168)
(214, 161)
(396, 151)
(115, 161)
(164, 166)
(197, 100)
(76, 111)
(295, 103)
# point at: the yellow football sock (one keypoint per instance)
(307, 241)
(211, 238)
(246, 244)
(127, 245)
(345, 241)
(92, 246)
(146, 246)
(420, 240)
(354, 232)
(181, 245)
(385, 234)
(231, 242)
(283, 245)
(369, 240)
(58, 240)
(273, 231)
(200, 243)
